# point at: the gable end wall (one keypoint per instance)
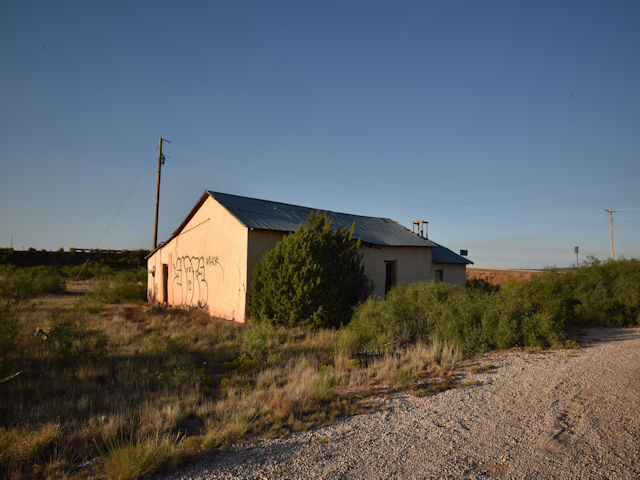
(205, 265)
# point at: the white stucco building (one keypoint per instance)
(207, 262)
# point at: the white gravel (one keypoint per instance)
(556, 414)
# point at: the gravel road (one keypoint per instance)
(556, 414)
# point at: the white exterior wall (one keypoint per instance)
(413, 265)
(454, 273)
(206, 265)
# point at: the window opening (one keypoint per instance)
(439, 276)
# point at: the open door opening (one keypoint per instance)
(165, 283)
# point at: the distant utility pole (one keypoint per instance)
(576, 250)
(160, 163)
(610, 212)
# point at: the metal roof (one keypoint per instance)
(444, 255)
(283, 217)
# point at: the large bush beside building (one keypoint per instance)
(312, 277)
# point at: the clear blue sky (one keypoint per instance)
(510, 126)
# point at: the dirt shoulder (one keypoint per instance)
(556, 414)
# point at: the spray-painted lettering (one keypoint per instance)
(189, 283)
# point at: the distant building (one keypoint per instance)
(207, 262)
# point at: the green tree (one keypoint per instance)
(312, 277)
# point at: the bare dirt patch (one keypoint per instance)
(546, 414)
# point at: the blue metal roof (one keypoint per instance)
(444, 255)
(283, 217)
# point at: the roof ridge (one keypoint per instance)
(214, 193)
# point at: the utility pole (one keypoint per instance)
(160, 163)
(610, 212)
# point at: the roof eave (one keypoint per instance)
(190, 215)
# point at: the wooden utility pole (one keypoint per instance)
(610, 212)
(160, 163)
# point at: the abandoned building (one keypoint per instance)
(207, 262)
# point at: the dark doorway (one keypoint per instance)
(165, 283)
(390, 275)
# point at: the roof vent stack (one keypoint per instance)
(420, 228)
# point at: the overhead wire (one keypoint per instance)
(314, 187)
(135, 183)
(350, 194)
(336, 180)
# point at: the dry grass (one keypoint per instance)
(172, 383)
(484, 368)
(498, 276)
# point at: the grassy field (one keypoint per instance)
(107, 386)
(95, 383)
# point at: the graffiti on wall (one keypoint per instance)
(215, 262)
(189, 284)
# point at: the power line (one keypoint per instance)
(344, 182)
(619, 239)
(368, 198)
(127, 196)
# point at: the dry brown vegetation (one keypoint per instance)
(124, 390)
(497, 276)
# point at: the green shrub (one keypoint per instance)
(408, 314)
(457, 320)
(255, 340)
(67, 339)
(30, 282)
(117, 291)
(534, 313)
(608, 294)
(517, 314)
(312, 277)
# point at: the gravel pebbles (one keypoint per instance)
(550, 414)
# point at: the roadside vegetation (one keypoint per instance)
(109, 387)
(544, 311)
